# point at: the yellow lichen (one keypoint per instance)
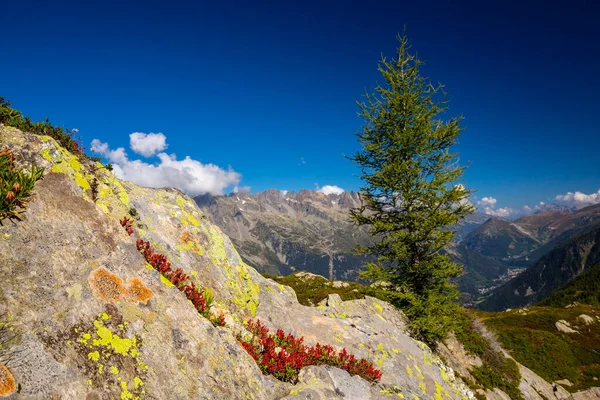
(112, 341)
(166, 281)
(337, 337)
(137, 382)
(125, 394)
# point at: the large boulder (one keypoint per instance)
(83, 316)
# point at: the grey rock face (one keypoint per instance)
(69, 333)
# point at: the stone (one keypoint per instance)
(564, 326)
(586, 319)
(564, 382)
(340, 284)
(589, 394)
(128, 332)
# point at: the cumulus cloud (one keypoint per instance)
(502, 212)
(579, 199)
(488, 206)
(188, 175)
(487, 202)
(331, 189)
(527, 209)
(147, 144)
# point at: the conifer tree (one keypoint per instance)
(410, 193)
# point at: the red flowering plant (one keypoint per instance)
(127, 224)
(199, 297)
(283, 356)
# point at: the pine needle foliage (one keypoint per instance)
(410, 192)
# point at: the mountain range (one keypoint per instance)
(505, 263)
(280, 232)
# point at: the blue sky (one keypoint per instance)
(268, 89)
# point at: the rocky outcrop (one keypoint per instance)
(280, 232)
(83, 316)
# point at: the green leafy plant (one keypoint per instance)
(16, 185)
(11, 117)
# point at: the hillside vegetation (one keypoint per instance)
(532, 338)
(584, 289)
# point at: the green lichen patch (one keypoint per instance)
(104, 352)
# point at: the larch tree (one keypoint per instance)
(411, 195)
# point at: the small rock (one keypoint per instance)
(586, 319)
(334, 300)
(564, 326)
(564, 382)
(340, 284)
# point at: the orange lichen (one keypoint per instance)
(190, 242)
(106, 286)
(137, 291)
(185, 236)
(8, 385)
(109, 288)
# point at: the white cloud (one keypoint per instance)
(527, 209)
(243, 189)
(117, 156)
(330, 189)
(501, 212)
(579, 199)
(488, 206)
(147, 145)
(487, 202)
(283, 192)
(188, 175)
